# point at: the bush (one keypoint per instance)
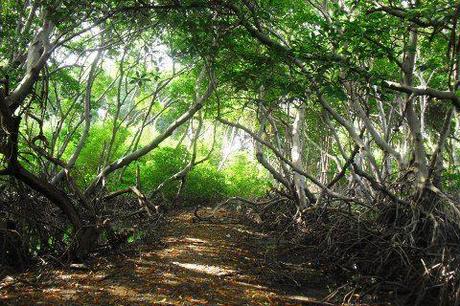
(159, 165)
(451, 180)
(90, 158)
(245, 177)
(205, 184)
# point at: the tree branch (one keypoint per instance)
(424, 91)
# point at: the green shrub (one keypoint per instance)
(90, 158)
(451, 180)
(245, 177)
(204, 184)
(161, 164)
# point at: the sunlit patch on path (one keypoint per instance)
(199, 264)
(207, 269)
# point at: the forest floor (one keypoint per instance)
(195, 263)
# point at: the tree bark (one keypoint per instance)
(296, 156)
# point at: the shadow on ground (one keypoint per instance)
(198, 264)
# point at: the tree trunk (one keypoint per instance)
(296, 156)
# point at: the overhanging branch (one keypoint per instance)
(424, 91)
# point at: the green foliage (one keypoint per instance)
(245, 178)
(205, 184)
(92, 155)
(161, 164)
(451, 180)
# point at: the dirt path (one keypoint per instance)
(195, 264)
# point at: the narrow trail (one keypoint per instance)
(201, 263)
